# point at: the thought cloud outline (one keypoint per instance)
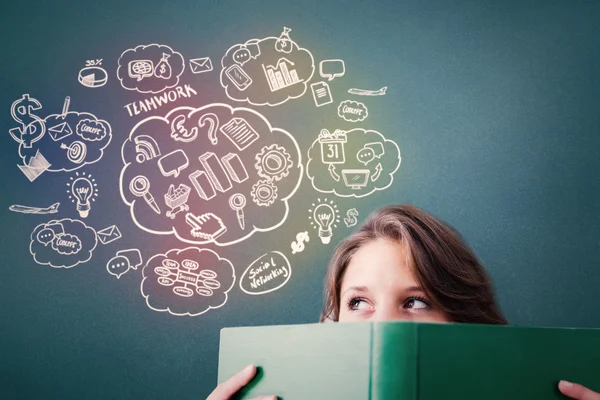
(129, 143)
(174, 253)
(126, 57)
(53, 150)
(256, 99)
(41, 254)
(322, 171)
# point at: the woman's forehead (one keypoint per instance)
(379, 261)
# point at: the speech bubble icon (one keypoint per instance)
(173, 163)
(365, 155)
(45, 236)
(332, 69)
(140, 69)
(66, 244)
(118, 265)
(241, 56)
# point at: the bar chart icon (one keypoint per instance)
(281, 75)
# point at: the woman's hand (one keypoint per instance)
(228, 388)
(576, 391)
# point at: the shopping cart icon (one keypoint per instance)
(176, 199)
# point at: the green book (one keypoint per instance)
(410, 361)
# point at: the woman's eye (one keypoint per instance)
(357, 304)
(417, 304)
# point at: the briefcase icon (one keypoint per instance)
(200, 65)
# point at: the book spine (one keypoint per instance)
(394, 362)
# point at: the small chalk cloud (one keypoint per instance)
(62, 243)
(188, 281)
(73, 140)
(267, 71)
(352, 163)
(150, 68)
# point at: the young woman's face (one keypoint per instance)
(379, 286)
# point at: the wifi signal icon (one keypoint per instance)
(146, 148)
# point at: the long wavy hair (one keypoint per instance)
(446, 268)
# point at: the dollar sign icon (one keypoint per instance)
(32, 127)
(350, 219)
(298, 244)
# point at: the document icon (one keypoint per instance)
(200, 65)
(109, 234)
(321, 93)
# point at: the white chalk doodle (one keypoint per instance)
(324, 216)
(146, 148)
(266, 274)
(362, 92)
(140, 187)
(236, 159)
(109, 234)
(187, 282)
(93, 76)
(82, 189)
(332, 69)
(352, 111)
(173, 163)
(176, 199)
(321, 93)
(200, 65)
(60, 149)
(124, 261)
(351, 217)
(298, 244)
(357, 174)
(207, 226)
(150, 68)
(53, 209)
(237, 202)
(268, 71)
(62, 243)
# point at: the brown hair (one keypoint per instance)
(445, 267)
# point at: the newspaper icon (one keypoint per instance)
(239, 132)
(321, 93)
(36, 166)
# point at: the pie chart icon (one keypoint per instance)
(93, 77)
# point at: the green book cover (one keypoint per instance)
(410, 361)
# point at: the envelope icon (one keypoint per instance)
(200, 65)
(109, 234)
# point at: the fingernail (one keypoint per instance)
(566, 383)
(248, 368)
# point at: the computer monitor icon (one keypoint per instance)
(356, 178)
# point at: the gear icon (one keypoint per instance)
(273, 162)
(264, 193)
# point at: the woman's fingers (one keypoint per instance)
(576, 391)
(226, 389)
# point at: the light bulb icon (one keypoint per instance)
(325, 216)
(83, 190)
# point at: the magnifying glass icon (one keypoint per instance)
(140, 187)
(237, 202)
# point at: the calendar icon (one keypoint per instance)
(332, 147)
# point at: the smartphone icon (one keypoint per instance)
(240, 79)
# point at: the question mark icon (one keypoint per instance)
(213, 120)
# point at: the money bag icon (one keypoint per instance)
(284, 43)
(163, 68)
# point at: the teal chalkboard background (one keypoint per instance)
(494, 105)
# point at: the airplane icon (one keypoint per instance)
(35, 210)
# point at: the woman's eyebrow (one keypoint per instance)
(415, 289)
(357, 288)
